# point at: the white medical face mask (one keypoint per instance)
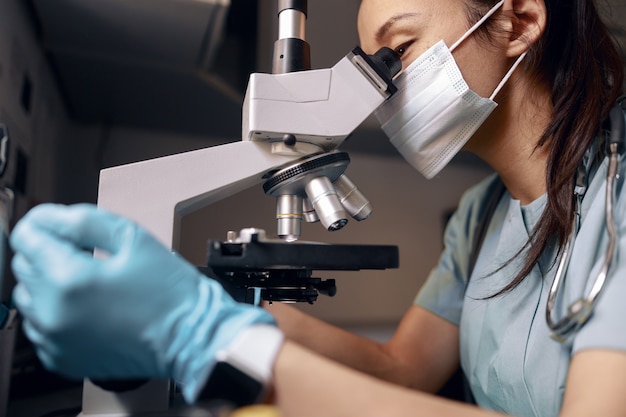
(434, 112)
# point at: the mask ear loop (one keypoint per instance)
(473, 29)
(477, 25)
(507, 76)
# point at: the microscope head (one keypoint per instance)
(309, 113)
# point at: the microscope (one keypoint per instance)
(293, 122)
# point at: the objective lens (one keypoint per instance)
(289, 217)
(352, 199)
(326, 203)
(309, 211)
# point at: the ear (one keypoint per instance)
(526, 21)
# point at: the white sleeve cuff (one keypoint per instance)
(254, 351)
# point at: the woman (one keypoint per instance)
(486, 314)
(548, 116)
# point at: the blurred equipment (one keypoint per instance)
(8, 314)
(98, 50)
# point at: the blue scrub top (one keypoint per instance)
(512, 364)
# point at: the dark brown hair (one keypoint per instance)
(577, 57)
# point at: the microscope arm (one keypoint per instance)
(157, 193)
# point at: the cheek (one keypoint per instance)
(480, 67)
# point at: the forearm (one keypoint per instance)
(306, 384)
(335, 343)
(422, 355)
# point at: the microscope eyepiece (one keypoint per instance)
(387, 61)
(299, 5)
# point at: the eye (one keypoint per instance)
(401, 50)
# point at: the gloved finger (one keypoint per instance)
(83, 225)
(45, 350)
(27, 273)
(37, 311)
(30, 238)
(34, 335)
(23, 301)
(45, 255)
(44, 344)
(56, 358)
(22, 268)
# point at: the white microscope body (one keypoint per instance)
(292, 124)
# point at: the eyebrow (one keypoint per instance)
(384, 29)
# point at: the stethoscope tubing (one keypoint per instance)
(579, 312)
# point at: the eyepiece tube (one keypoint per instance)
(300, 5)
(326, 203)
(291, 51)
(352, 199)
(289, 217)
(291, 24)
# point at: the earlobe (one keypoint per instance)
(527, 24)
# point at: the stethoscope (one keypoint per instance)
(580, 310)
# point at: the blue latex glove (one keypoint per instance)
(141, 312)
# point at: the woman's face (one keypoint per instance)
(410, 27)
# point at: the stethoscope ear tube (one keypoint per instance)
(579, 312)
(617, 128)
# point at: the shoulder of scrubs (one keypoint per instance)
(444, 290)
(605, 328)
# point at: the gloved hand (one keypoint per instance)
(139, 312)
